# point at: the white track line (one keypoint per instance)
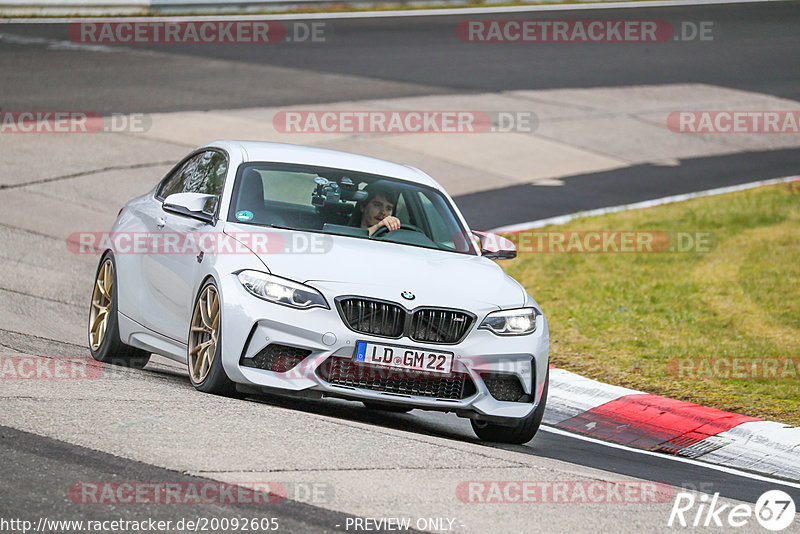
(681, 459)
(563, 219)
(392, 14)
(646, 204)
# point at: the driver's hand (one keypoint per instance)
(390, 222)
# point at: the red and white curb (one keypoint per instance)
(660, 424)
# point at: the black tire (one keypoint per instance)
(394, 408)
(216, 381)
(523, 432)
(111, 349)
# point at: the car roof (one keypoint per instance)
(323, 157)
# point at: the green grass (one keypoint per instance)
(630, 318)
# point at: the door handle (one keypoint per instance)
(160, 222)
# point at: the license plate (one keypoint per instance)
(409, 358)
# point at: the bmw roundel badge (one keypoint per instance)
(408, 295)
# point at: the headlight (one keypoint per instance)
(281, 291)
(511, 322)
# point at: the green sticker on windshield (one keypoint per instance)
(244, 215)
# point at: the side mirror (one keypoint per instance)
(195, 205)
(495, 247)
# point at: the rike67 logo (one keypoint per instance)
(774, 510)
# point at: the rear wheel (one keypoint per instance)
(205, 345)
(522, 432)
(104, 341)
(387, 407)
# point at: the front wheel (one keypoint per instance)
(204, 357)
(522, 432)
(104, 341)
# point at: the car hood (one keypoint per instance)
(346, 265)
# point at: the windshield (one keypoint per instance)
(341, 202)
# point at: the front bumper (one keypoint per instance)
(250, 324)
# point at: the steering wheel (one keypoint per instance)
(403, 226)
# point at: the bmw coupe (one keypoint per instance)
(272, 268)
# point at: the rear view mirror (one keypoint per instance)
(196, 205)
(495, 247)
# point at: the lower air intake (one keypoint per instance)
(504, 387)
(276, 358)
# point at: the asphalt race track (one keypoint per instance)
(755, 50)
(150, 425)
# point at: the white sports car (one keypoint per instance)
(274, 268)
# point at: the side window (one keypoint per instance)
(442, 223)
(401, 210)
(434, 219)
(204, 173)
(175, 182)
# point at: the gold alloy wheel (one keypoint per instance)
(101, 304)
(204, 334)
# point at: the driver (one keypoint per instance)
(377, 209)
